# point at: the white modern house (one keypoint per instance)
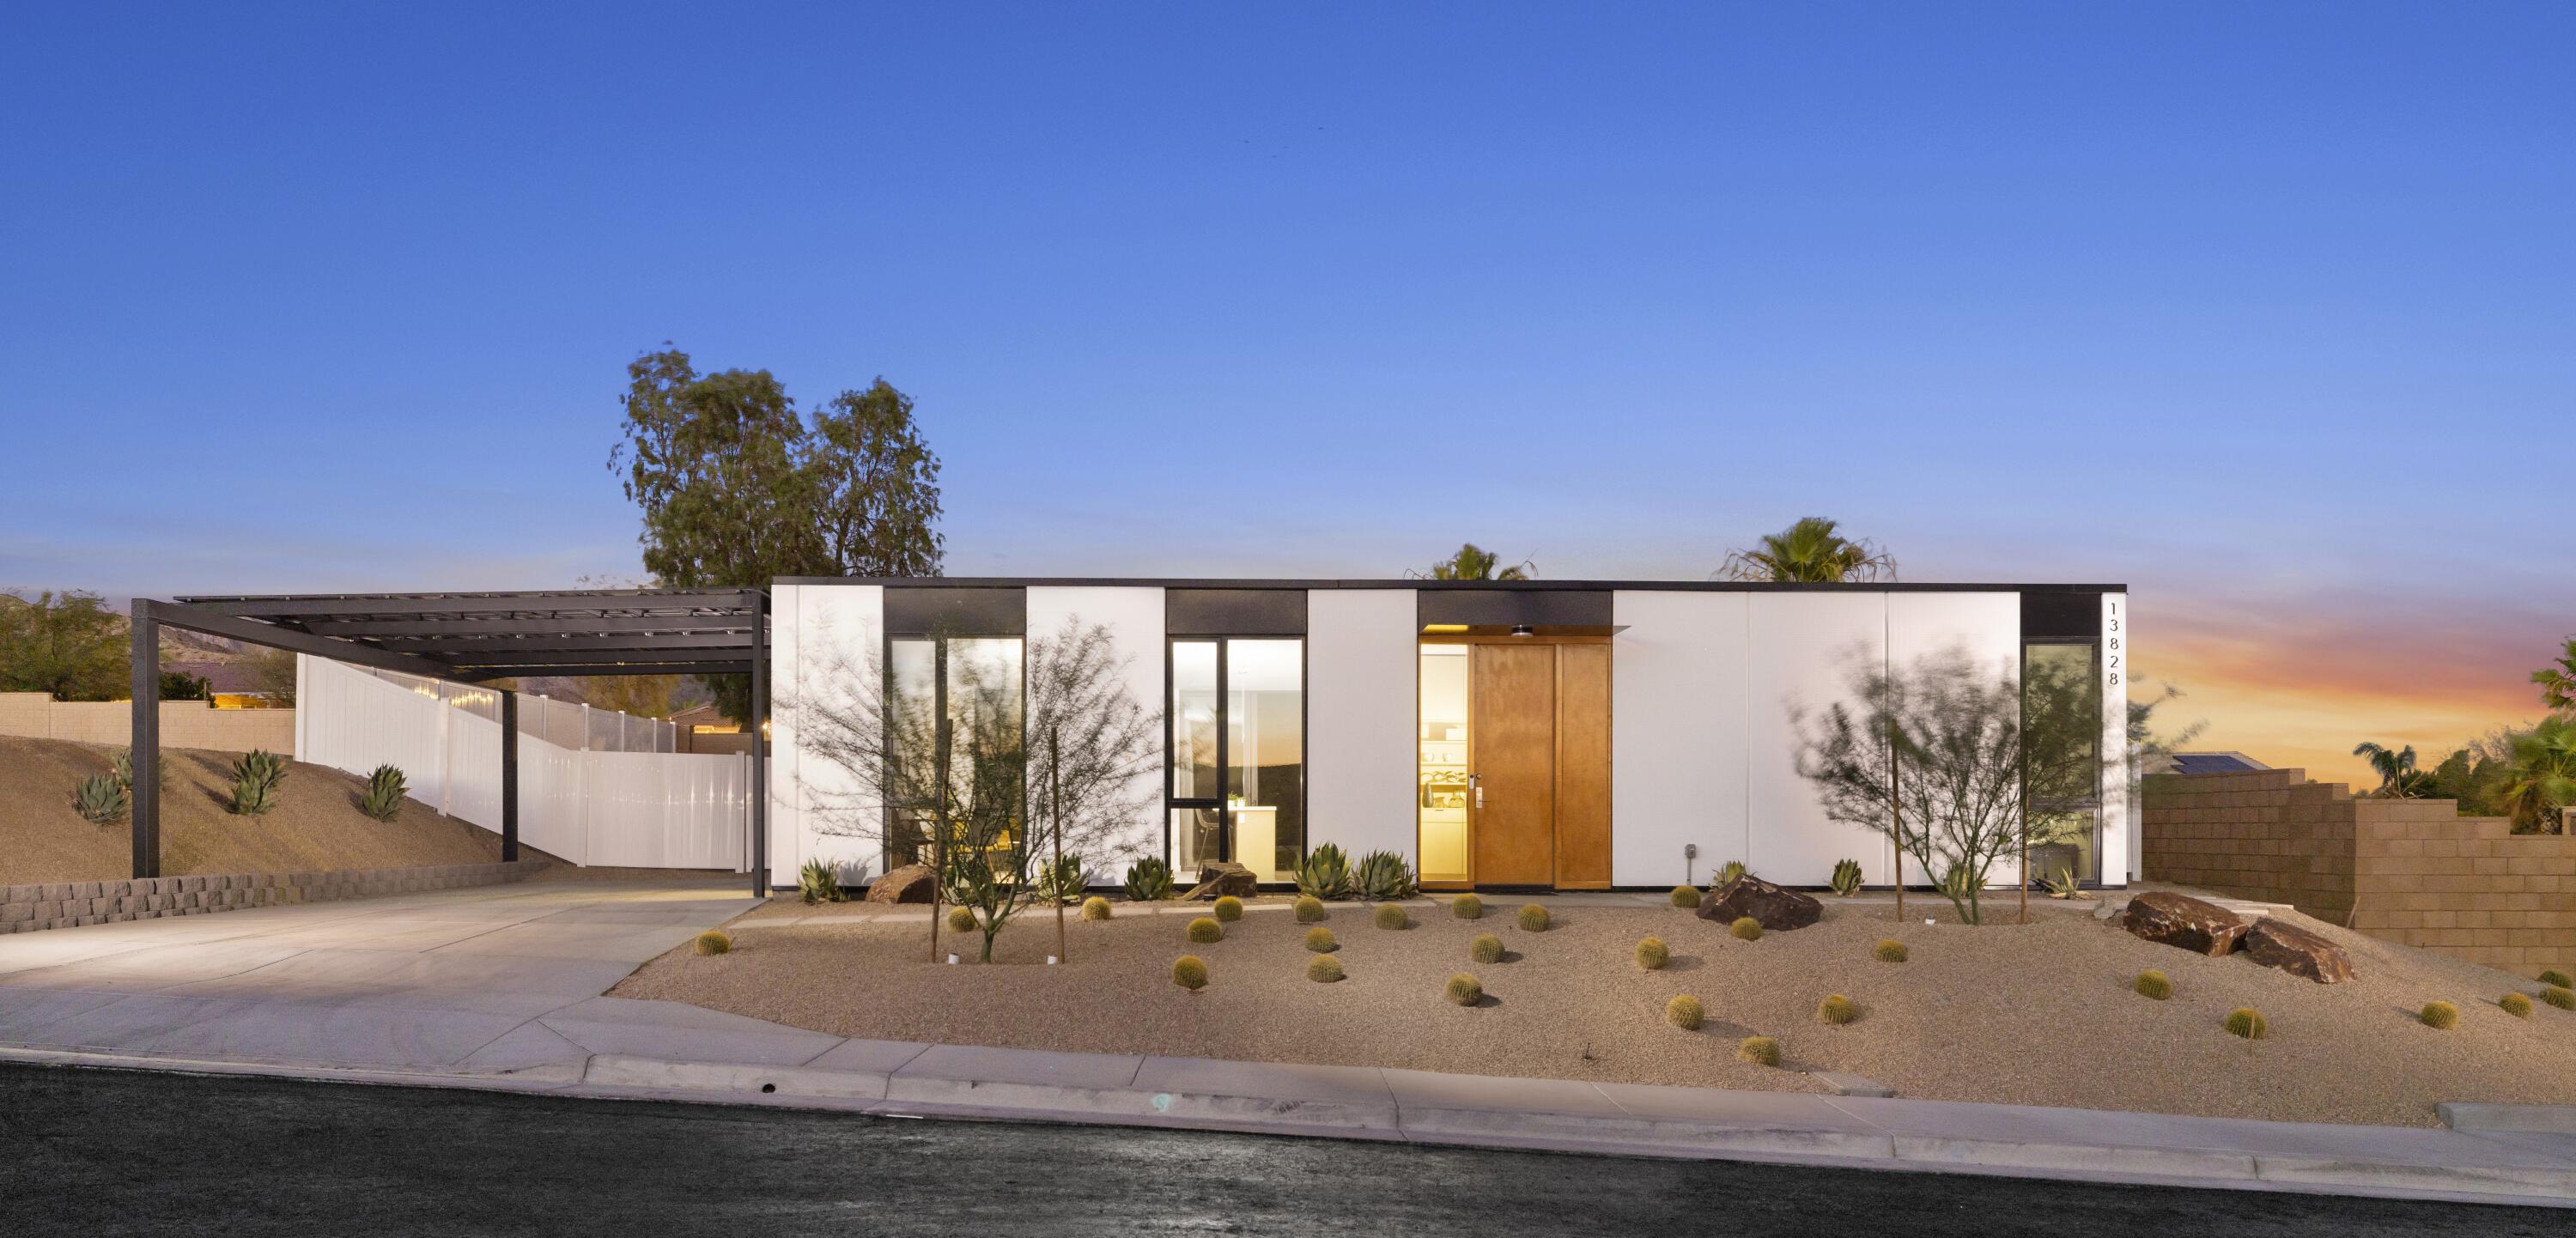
(1517, 735)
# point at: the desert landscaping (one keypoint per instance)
(2043, 1013)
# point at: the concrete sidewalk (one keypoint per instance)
(498, 988)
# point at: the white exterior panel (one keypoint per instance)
(826, 643)
(1803, 651)
(1135, 619)
(2122, 858)
(1679, 689)
(1360, 667)
(1986, 627)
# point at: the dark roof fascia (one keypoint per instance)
(1687, 586)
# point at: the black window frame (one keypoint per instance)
(937, 636)
(1222, 802)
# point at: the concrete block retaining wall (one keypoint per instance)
(2414, 872)
(70, 904)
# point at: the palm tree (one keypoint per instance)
(1472, 563)
(1809, 552)
(2540, 781)
(2558, 683)
(2398, 777)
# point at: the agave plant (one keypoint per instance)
(1326, 873)
(100, 799)
(385, 791)
(1726, 874)
(818, 882)
(1062, 881)
(1149, 880)
(125, 770)
(1846, 877)
(2062, 883)
(1382, 876)
(255, 779)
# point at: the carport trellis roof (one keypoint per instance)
(470, 638)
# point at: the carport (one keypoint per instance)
(471, 638)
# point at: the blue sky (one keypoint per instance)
(2256, 308)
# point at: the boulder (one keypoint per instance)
(1228, 877)
(2184, 922)
(2295, 950)
(909, 884)
(1774, 908)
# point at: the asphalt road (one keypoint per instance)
(94, 1152)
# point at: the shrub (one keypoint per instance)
(1463, 990)
(1486, 948)
(1685, 896)
(2557, 979)
(713, 941)
(1745, 928)
(1062, 881)
(1652, 954)
(1323, 969)
(1467, 907)
(385, 791)
(1685, 1013)
(2515, 1004)
(1326, 873)
(1189, 972)
(1149, 880)
(255, 779)
(2247, 1022)
(1095, 908)
(1533, 919)
(1726, 875)
(1204, 930)
(1846, 880)
(1890, 950)
(1391, 916)
(1309, 909)
(2152, 984)
(1382, 876)
(1759, 1050)
(2440, 1016)
(101, 799)
(1320, 940)
(961, 919)
(1837, 1009)
(125, 770)
(1228, 909)
(2559, 995)
(817, 882)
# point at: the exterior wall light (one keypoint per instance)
(1522, 629)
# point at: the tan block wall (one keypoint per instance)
(184, 724)
(2413, 872)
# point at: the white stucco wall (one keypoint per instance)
(1800, 650)
(1360, 651)
(2120, 841)
(1679, 688)
(1986, 626)
(821, 637)
(1135, 619)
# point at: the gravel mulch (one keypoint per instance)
(2023, 1014)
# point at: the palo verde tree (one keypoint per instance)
(1934, 756)
(1811, 551)
(1016, 762)
(736, 486)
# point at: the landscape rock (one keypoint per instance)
(1219, 880)
(911, 883)
(2297, 951)
(1774, 908)
(2184, 922)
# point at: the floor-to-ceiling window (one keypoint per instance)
(975, 686)
(2062, 740)
(1441, 732)
(1238, 753)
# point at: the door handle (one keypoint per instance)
(1476, 783)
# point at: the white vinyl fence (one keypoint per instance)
(614, 795)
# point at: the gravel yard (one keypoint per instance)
(2025, 1014)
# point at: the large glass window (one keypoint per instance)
(2061, 709)
(1442, 767)
(1238, 754)
(975, 685)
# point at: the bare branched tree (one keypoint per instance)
(1942, 746)
(974, 790)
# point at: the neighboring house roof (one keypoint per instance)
(2214, 763)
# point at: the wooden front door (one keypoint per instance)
(1583, 767)
(1512, 740)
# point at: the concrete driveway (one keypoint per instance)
(496, 979)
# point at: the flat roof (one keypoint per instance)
(1221, 582)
